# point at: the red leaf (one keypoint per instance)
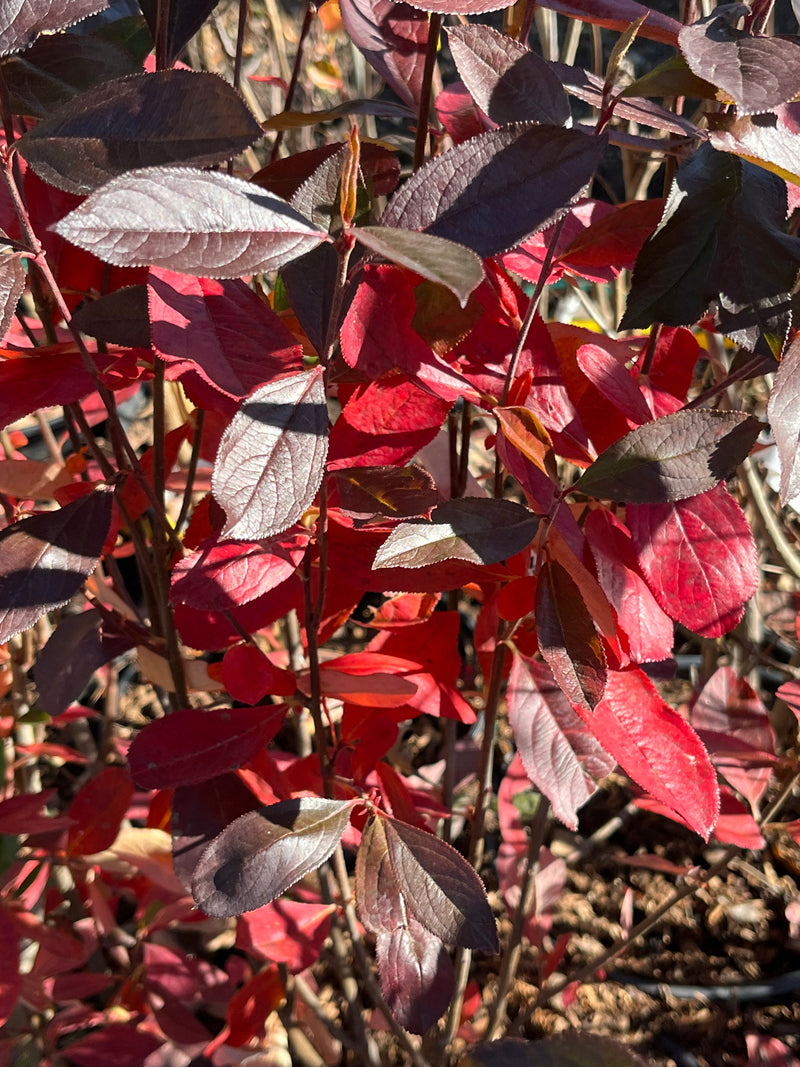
(286, 931)
(648, 629)
(656, 748)
(735, 825)
(392, 37)
(10, 978)
(221, 331)
(98, 809)
(416, 975)
(559, 755)
(192, 745)
(618, 15)
(23, 814)
(124, 1046)
(248, 675)
(728, 705)
(249, 1007)
(222, 575)
(698, 557)
(212, 630)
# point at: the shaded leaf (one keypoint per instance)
(505, 79)
(758, 73)
(392, 38)
(199, 813)
(98, 810)
(59, 66)
(119, 317)
(438, 260)
(699, 559)
(497, 188)
(571, 1049)
(185, 19)
(559, 755)
(147, 120)
(193, 745)
(23, 20)
(261, 854)
(618, 15)
(656, 748)
(10, 976)
(197, 222)
(767, 140)
(221, 575)
(393, 492)
(12, 286)
(416, 975)
(45, 559)
(675, 457)
(728, 215)
(783, 412)
(272, 457)
(476, 530)
(568, 639)
(294, 120)
(442, 890)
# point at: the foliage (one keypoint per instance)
(375, 407)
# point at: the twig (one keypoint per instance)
(778, 539)
(423, 113)
(311, 10)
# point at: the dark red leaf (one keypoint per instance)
(146, 120)
(476, 530)
(272, 457)
(213, 630)
(23, 814)
(185, 19)
(388, 492)
(261, 854)
(393, 38)
(416, 975)
(45, 559)
(618, 15)
(656, 748)
(675, 457)
(561, 758)
(221, 330)
(132, 221)
(507, 81)
(699, 559)
(116, 1043)
(758, 73)
(224, 574)
(98, 810)
(248, 675)
(21, 22)
(10, 977)
(193, 745)
(526, 175)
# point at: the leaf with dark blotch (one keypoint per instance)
(505, 79)
(147, 120)
(699, 559)
(497, 188)
(392, 38)
(416, 975)
(721, 243)
(570, 1049)
(393, 492)
(192, 745)
(567, 636)
(58, 67)
(440, 889)
(44, 560)
(260, 855)
(559, 756)
(758, 73)
(197, 222)
(199, 813)
(472, 529)
(12, 286)
(675, 457)
(783, 412)
(272, 457)
(21, 21)
(221, 329)
(185, 19)
(118, 318)
(444, 262)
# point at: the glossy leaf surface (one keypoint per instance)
(21, 21)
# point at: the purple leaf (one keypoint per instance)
(505, 79)
(185, 19)
(392, 38)
(23, 20)
(497, 188)
(416, 975)
(440, 889)
(559, 755)
(672, 458)
(118, 318)
(12, 286)
(758, 73)
(462, 7)
(618, 15)
(147, 120)
(438, 260)
(261, 854)
(199, 813)
(197, 222)
(44, 560)
(272, 457)
(783, 412)
(477, 530)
